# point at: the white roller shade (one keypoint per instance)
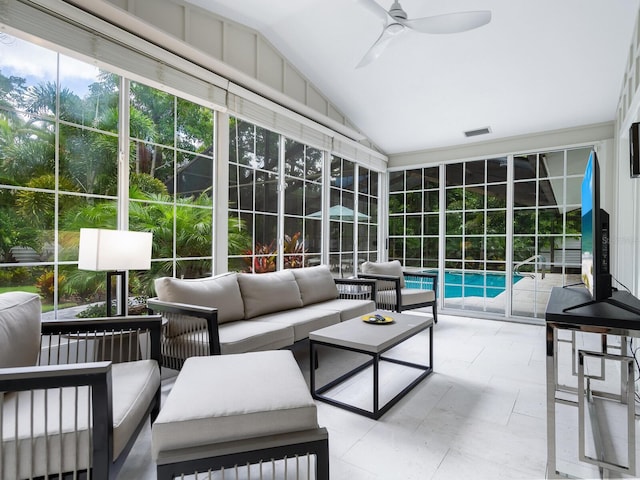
(267, 114)
(114, 49)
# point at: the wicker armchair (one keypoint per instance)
(67, 410)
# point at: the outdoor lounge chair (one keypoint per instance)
(66, 411)
(399, 290)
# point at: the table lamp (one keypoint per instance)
(114, 251)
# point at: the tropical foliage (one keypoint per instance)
(58, 177)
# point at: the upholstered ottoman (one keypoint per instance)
(240, 409)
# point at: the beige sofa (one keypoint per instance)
(242, 312)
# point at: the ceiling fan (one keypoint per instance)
(396, 23)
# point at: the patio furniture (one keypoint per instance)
(372, 340)
(242, 312)
(398, 289)
(233, 411)
(63, 411)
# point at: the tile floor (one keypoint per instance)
(480, 415)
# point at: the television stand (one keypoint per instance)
(612, 301)
(572, 309)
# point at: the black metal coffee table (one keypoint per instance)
(355, 335)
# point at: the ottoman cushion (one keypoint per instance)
(234, 397)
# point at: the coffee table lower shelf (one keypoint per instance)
(376, 359)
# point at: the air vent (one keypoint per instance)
(479, 131)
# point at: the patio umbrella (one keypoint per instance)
(339, 212)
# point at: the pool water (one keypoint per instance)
(471, 284)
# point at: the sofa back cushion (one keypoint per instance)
(316, 284)
(384, 268)
(268, 292)
(221, 292)
(19, 329)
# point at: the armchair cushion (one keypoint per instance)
(268, 292)
(19, 329)
(316, 284)
(393, 268)
(135, 384)
(221, 291)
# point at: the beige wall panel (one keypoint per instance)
(205, 33)
(335, 114)
(240, 48)
(295, 86)
(270, 66)
(523, 143)
(316, 101)
(167, 16)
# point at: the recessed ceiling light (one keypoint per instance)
(478, 131)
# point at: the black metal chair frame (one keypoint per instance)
(302, 447)
(399, 306)
(97, 375)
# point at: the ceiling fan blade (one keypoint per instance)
(376, 9)
(389, 32)
(450, 22)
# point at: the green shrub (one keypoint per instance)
(136, 306)
(45, 285)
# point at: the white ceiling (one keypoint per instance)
(537, 66)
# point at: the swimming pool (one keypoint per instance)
(471, 284)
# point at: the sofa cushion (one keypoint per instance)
(268, 292)
(302, 320)
(393, 268)
(316, 284)
(241, 397)
(235, 337)
(221, 292)
(347, 308)
(19, 329)
(410, 296)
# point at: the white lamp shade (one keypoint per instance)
(107, 250)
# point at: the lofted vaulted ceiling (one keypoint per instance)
(537, 66)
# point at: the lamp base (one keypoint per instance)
(123, 293)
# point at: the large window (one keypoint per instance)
(342, 216)
(171, 179)
(511, 228)
(414, 216)
(60, 170)
(276, 198)
(302, 242)
(253, 197)
(368, 181)
(546, 226)
(475, 234)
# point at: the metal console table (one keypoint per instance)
(570, 309)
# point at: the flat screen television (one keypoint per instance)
(595, 234)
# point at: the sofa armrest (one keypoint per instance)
(178, 312)
(427, 281)
(356, 288)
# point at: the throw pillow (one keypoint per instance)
(393, 268)
(221, 292)
(268, 292)
(316, 284)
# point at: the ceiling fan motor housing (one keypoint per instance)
(397, 12)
